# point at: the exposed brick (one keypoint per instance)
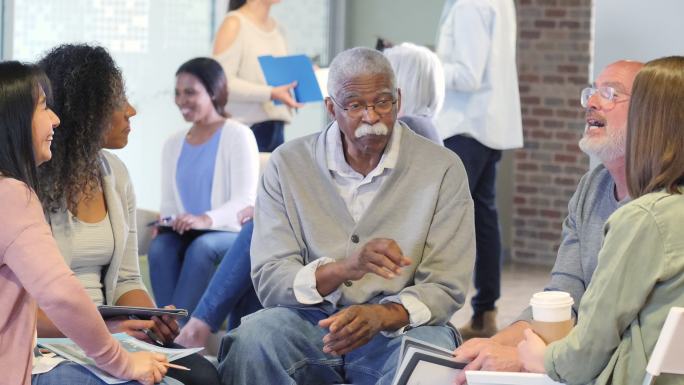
(568, 68)
(553, 102)
(545, 23)
(528, 166)
(528, 34)
(541, 134)
(555, 12)
(554, 54)
(526, 189)
(569, 24)
(547, 2)
(554, 79)
(542, 111)
(562, 158)
(553, 124)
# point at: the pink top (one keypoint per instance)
(31, 267)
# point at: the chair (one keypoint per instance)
(263, 161)
(669, 349)
(143, 217)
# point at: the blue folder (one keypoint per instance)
(286, 69)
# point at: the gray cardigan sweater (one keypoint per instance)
(123, 272)
(424, 205)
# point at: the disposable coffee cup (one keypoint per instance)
(552, 314)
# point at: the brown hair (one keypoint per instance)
(655, 128)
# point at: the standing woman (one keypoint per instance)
(640, 272)
(209, 174)
(31, 267)
(89, 196)
(246, 33)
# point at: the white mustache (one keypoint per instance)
(378, 128)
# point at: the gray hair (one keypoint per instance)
(421, 78)
(356, 62)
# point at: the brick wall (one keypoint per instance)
(554, 56)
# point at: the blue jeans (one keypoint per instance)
(181, 266)
(269, 134)
(284, 346)
(72, 373)
(230, 290)
(480, 163)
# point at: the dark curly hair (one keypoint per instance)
(87, 88)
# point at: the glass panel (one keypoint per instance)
(148, 39)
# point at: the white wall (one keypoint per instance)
(149, 39)
(637, 30)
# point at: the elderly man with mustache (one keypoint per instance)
(600, 192)
(363, 233)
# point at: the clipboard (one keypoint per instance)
(107, 311)
(283, 70)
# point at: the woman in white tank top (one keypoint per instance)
(246, 33)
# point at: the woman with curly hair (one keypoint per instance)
(31, 267)
(89, 198)
(209, 174)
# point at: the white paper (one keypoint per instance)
(427, 373)
(67, 348)
(45, 363)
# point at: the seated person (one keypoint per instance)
(31, 267)
(640, 271)
(209, 174)
(229, 292)
(89, 197)
(363, 233)
(419, 72)
(600, 192)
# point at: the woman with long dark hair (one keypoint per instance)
(31, 267)
(209, 174)
(247, 32)
(90, 199)
(640, 272)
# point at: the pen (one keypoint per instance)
(153, 336)
(161, 221)
(170, 365)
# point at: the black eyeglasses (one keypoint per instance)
(356, 109)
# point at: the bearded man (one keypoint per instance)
(600, 192)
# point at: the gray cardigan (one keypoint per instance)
(123, 272)
(424, 205)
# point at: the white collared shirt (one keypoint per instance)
(358, 192)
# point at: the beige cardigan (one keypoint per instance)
(123, 272)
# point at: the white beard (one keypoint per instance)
(607, 148)
(378, 128)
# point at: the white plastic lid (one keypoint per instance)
(551, 299)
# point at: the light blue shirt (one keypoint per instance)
(195, 174)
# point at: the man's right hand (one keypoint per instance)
(486, 354)
(379, 256)
(146, 367)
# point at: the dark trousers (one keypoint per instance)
(480, 164)
(269, 134)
